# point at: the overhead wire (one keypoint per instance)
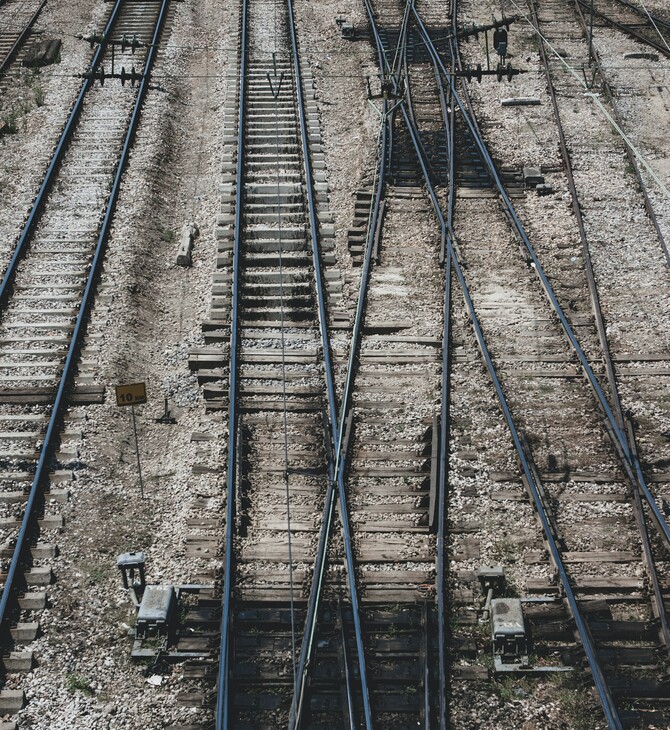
(594, 98)
(653, 22)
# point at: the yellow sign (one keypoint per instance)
(132, 394)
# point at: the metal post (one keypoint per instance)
(488, 59)
(591, 35)
(137, 451)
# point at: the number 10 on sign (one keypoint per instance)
(132, 395)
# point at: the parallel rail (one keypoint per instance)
(527, 466)
(20, 38)
(335, 488)
(619, 437)
(602, 337)
(337, 430)
(223, 679)
(632, 157)
(56, 160)
(653, 25)
(66, 374)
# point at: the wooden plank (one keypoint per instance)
(593, 585)
(385, 577)
(388, 526)
(474, 673)
(588, 497)
(595, 556)
(643, 371)
(81, 395)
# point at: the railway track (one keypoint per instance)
(365, 619)
(362, 639)
(17, 18)
(47, 291)
(631, 18)
(278, 388)
(293, 636)
(548, 499)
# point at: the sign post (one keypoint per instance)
(132, 395)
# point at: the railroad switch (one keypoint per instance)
(492, 580)
(348, 30)
(532, 177)
(510, 638)
(131, 564)
(169, 617)
(389, 90)
(154, 617)
(508, 634)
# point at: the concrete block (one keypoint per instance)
(44, 551)
(11, 701)
(18, 661)
(12, 497)
(51, 522)
(40, 576)
(33, 601)
(221, 233)
(187, 238)
(60, 496)
(24, 633)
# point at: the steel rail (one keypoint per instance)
(224, 679)
(643, 14)
(624, 28)
(604, 694)
(337, 432)
(9, 57)
(336, 486)
(602, 336)
(632, 157)
(50, 175)
(314, 229)
(617, 434)
(36, 490)
(449, 118)
(621, 441)
(577, 210)
(443, 443)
